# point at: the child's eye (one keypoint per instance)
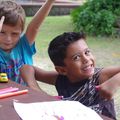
(2, 32)
(87, 52)
(15, 34)
(76, 57)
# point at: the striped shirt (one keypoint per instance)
(86, 93)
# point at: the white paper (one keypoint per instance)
(55, 110)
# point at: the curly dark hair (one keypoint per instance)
(58, 46)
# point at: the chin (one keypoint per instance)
(90, 73)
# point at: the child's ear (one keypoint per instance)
(61, 70)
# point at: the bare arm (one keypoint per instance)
(110, 82)
(28, 75)
(37, 20)
(108, 72)
(45, 76)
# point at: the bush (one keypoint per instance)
(97, 17)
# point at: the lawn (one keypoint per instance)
(106, 50)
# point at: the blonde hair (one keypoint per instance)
(13, 13)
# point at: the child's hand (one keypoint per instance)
(105, 91)
(1, 22)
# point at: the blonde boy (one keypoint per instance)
(16, 47)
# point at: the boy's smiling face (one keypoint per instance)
(79, 61)
(9, 36)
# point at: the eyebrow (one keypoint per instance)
(78, 53)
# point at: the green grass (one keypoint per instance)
(106, 50)
(51, 27)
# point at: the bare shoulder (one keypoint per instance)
(108, 72)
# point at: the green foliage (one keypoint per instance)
(97, 17)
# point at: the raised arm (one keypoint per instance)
(37, 20)
(1, 22)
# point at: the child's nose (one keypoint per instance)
(85, 59)
(8, 39)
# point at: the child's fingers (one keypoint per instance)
(97, 87)
(1, 22)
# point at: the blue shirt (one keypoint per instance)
(21, 54)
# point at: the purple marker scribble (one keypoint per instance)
(61, 118)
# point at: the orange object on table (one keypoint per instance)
(13, 93)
